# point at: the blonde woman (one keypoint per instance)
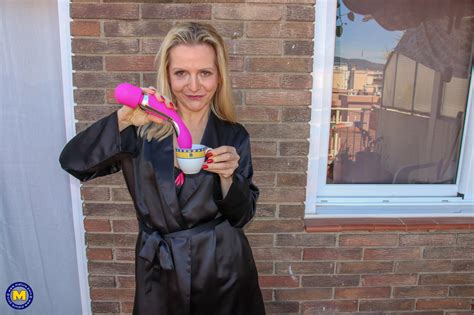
(192, 256)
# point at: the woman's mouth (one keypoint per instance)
(195, 97)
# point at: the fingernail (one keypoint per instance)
(205, 167)
(209, 161)
(208, 155)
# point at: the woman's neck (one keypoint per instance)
(195, 120)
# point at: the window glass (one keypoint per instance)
(400, 86)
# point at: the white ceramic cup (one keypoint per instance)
(190, 160)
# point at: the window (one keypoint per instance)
(391, 119)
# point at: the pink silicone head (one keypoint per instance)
(128, 94)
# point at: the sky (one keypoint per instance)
(358, 39)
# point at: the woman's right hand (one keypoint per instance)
(128, 116)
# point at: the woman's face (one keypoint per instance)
(193, 76)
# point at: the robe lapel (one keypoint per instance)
(162, 156)
(210, 139)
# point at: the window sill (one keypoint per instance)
(388, 224)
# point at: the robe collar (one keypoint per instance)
(163, 164)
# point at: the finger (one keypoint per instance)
(148, 90)
(155, 119)
(225, 157)
(222, 149)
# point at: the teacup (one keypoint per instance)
(190, 160)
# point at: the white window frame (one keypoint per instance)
(323, 200)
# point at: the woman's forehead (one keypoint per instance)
(192, 56)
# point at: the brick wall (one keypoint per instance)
(270, 42)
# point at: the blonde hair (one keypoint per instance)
(192, 33)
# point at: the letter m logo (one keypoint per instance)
(16, 295)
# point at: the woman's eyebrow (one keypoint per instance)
(183, 69)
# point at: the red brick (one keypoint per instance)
(298, 48)
(87, 63)
(266, 210)
(465, 291)
(125, 254)
(268, 281)
(83, 96)
(279, 131)
(331, 254)
(105, 307)
(104, 80)
(108, 268)
(291, 179)
(232, 29)
(284, 195)
(451, 278)
(121, 194)
(276, 164)
(443, 304)
(364, 267)
(275, 226)
(278, 97)
(362, 293)
(296, 81)
(126, 281)
(176, 11)
(137, 28)
(458, 313)
(393, 280)
(448, 252)
(300, 13)
(256, 113)
(110, 239)
(93, 113)
(130, 63)
(150, 45)
(326, 306)
(291, 211)
(102, 281)
(294, 148)
(97, 225)
(248, 12)
(115, 179)
(423, 266)
(280, 254)
(304, 267)
(104, 46)
(264, 180)
(307, 240)
(465, 239)
(368, 240)
(85, 28)
(95, 193)
(280, 29)
(126, 307)
(392, 253)
(463, 265)
(254, 47)
(267, 294)
(125, 226)
(386, 305)
(296, 114)
(278, 64)
(419, 291)
(427, 239)
(255, 81)
(330, 281)
(306, 294)
(104, 11)
(109, 209)
(260, 148)
(236, 63)
(112, 294)
(264, 267)
(99, 253)
(282, 307)
(260, 240)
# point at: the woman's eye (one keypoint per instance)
(206, 73)
(179, 73)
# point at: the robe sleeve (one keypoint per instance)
(240, 202)
(99, 149)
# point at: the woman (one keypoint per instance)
(192, 256)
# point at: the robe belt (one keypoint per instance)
(157, 249)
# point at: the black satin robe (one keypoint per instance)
(214, 271)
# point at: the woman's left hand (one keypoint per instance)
(223, 160)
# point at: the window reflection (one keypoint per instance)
(400, 86)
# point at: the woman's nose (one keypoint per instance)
(193, 83)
